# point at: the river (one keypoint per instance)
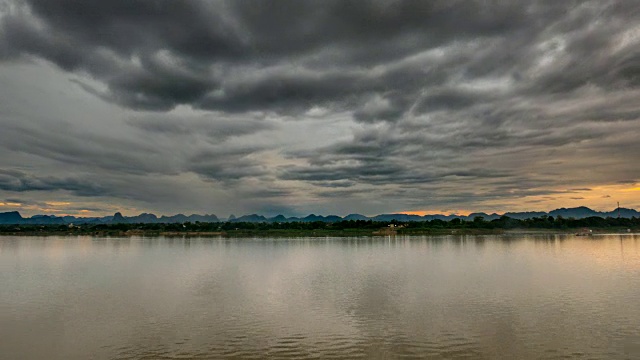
(478, 297)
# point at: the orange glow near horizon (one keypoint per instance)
(57, 208)
(598, 198)
(57, 203)
(10, 204)
(432, 212)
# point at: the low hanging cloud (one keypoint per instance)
(298, 103)
(16, 181)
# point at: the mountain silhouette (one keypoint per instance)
(14, 217)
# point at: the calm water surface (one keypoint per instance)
(489, 297)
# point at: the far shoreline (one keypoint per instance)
(320, 233)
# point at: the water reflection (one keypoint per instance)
(524, 297)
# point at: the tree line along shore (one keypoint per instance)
(340, 228)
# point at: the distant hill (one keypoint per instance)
(484, 216)
(44, 219)
(278, 219)
(14, 217)
(249, 218)
(579, 212)
(11, 217)
(355, 217)
(313, 218)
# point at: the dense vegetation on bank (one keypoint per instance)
(341, 228)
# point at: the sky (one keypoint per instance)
(328, 107)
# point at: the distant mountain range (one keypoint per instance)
(14, 217)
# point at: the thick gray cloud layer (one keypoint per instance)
(324, 106)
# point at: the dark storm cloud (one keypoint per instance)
(229, 169)
(332, 194)
(71, 147)
(443, 101)
(291, 55)
(376, 157)
(103, 186)
(268, 193)
(449, 99)
(226, 164)
(214, 128)
(498, 166)
(335, 184)
(158, 148)
(17, 181)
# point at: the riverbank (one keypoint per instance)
(239, 233)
